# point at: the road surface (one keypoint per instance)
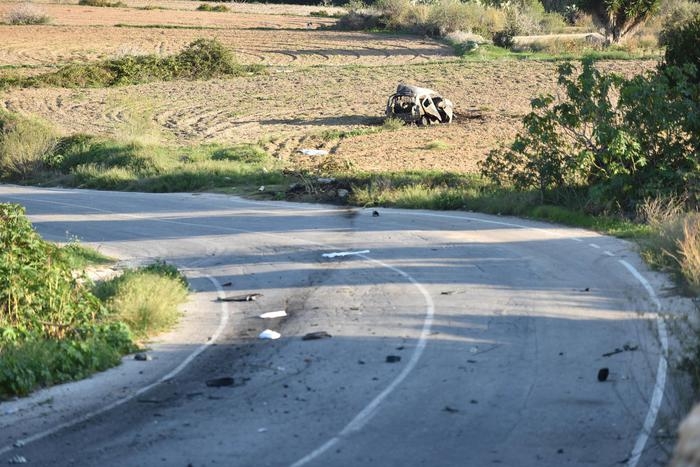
(458, 339)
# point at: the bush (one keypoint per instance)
(620, 150)
(246, 153)
(682, 41)
(102, 3)
(52, 328)
(207, 7)
(27, 13)
(24, 144)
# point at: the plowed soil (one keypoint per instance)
(318, 80)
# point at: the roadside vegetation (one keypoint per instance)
(53, 326)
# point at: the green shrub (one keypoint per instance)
(24, 144)
(207, 7)
(102, 3)
(682, 41)
(621, 150)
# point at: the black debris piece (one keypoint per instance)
(312, 336)
(241, 298)
(450, 409)
(375, 213)
(603, 374)
(220, 382)
(393, 358)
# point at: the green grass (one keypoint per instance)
(102, 3)
(216, 8)
(488, 52)
(146, 299)
(78, 257)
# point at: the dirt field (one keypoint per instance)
(319, 80)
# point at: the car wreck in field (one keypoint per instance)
(421, 106)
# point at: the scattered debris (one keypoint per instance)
(603, 374)
(314, 152)
(447, 292)
(241, 298)
(274, 314)
(360, 362)
(474, 350)
(143, 357)
(560, 451)
(375, 213)
(262, 430)
(393, 358)
(17, 460)
(312, 336)
(473, 401)
(587, 289)
(625, 348)
(220, 382)
(450, 409)
(227, 284)
(18, 444)
(262, 188)
(269, 334)
(344, 253)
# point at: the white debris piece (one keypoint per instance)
(344, 253)
(269, 334)
(274, 314)
(314, 152)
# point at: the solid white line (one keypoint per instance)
(366, 414)
(658, 394)
(223, 321)
(345, 253)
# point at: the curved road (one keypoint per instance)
(457, 339)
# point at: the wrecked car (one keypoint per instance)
(421, 106)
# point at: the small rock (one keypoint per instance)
(560, 451)
(18, 444)
(220, 382)
(450, 409)
(316, 335)
(143, 357)
(375, 213)
(227, 284)
(393, 358)
(603, 374)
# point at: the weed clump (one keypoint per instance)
(27, 13)
(102, 3)
(24, 145)
(207, 7)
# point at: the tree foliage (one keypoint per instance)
(619, 140)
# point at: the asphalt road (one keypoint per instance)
(496, 327)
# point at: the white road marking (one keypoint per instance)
(658, 393)
(223, 321)
(345, 253)
(593, 245)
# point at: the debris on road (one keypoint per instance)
(375, 213)
(274, 314)
(142, 357)
(625, 348)
(393, 358)
(314, 152)
(227, 284)
(262, 430)
(262, 188)
(241, 298)
(269, 334)
(17, 460)
(450, 409)
(220, 382)
(312, 336)
(18, 444)
(344, 253)
(603, 374)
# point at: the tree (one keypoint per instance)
(620, 17)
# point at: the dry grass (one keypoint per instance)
(26, 13)
(689, 251)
